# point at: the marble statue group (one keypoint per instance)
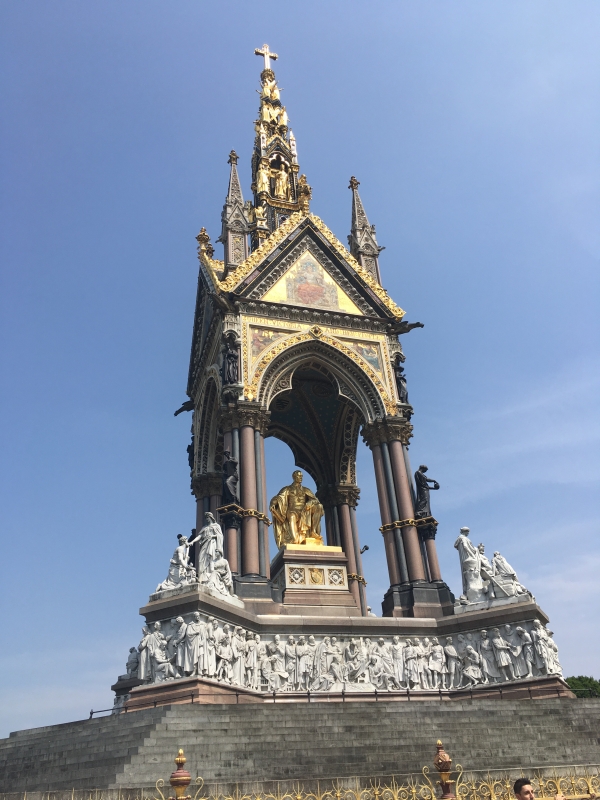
(484, 581)
(212, 568)
(229, 654)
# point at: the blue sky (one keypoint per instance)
(474, 129)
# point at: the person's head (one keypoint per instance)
(484, 634)
(182, 540)
(422, 468)
(435, 640)
(408, 643)
(157, 626)
(448, 640)
(523, 789)
(179, 620)
(297, 476)
(465, 531)
(133, 649)
(396, 639)
(227, 453)
(380, 641)
(481, 547)
(302, 640)
(197, 616)
(290, 640)
(208, 518)
(276, 638)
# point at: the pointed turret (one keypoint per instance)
(362, 240)
(234, 219)
(278, 188)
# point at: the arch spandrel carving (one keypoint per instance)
(355, 379)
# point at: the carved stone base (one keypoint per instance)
(418, 600)
(206, 691)
(313, 576)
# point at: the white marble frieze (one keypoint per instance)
(197, 645)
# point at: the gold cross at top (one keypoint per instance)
(264, 51)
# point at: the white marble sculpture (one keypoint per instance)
(181, 572)
(213, 567)
(485, 583)
(470, 566)
(195, 645)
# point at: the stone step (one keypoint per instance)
(264, 742)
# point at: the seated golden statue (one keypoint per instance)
(296, 514)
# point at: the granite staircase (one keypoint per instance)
(248, 743)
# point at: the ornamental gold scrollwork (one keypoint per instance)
(250, 390)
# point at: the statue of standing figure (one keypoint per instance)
(213, 567)
(423, 505)
(400, 380)
(231, 362)
(230, 492)
(470, 565)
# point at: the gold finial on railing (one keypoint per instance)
(443, 764)
(180, 779)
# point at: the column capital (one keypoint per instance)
(336, 495)
(237, 416)
(389, 429)
(207, 484)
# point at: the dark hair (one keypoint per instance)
(520, 783)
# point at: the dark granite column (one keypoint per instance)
(384, 510)
(250, 553)
(412, 548)
(348, 548)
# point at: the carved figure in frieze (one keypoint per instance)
(384, 653)
(276, 654)
(231, 358)
(176, 643)
(397, 650)
(437, 665)
(400, 379)
(145, 666)
(321, 663)
(423, 652)
(193, 658)
(211, 641)
(411, 661)
(526, 649)
(291, 662)
(453, 663)
(213, 567)
(489, 668)
(516, 651)
(296, 513)
(224, 653)
(163, 667)
(502, 652)
(305, 663)
(423, 505)
(230, 492)
(472, 671)
(554, 664)
(251, 660)
(356, 662)
(378, 674)
(238, 650)
(133, 663)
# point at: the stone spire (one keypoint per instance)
(362, 240)
(234, 220)
(278, 188)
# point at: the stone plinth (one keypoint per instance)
(313, 576)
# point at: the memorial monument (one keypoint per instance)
(295, 337)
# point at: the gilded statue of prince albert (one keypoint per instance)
(296, 513)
